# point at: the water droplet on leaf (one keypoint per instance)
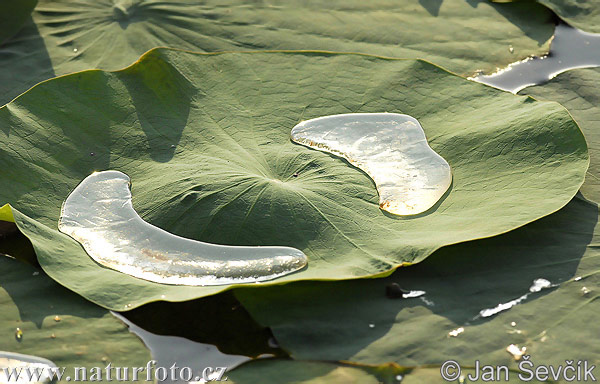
(391, 148)
(515, 351)
(100, 215)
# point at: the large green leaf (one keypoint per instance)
(59, 325)
(578, 91)
(72, 35)
(205, 140)
(331, 321)
(584, 15)
(13, 15)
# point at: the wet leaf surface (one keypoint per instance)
(205, 141)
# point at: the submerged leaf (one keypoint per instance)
(550, 324)
(73, 35)
(205, 140)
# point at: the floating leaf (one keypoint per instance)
(584, 15)
(205, 141)
(70, 35)
(13, 15)
(59, 325)
(331, 321)
(578, 91)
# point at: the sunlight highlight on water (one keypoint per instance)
(391, 148)
(99, 215)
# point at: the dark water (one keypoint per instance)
(570, 49)
(169, 350)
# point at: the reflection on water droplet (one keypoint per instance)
(585, 290)
(411, 294)
(577, 278)
(511, 49)
(515, 351)
(74, 49)
(371, 325)
(391, 148)
(538, 285)
(56, 318)
(35, 273)
(19, 334)
(53, 336)
(173, 146)
(399, 377)
(16, 362)
(92, 154)
(162, 296)
(513, 324)
(99, 215)
(456, 332)
(429, 303)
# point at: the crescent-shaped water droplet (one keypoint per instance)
(99, 214)
(391, 148)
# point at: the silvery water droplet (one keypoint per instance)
(585, 290)
(99, 215)
(515, 351)
(391, 148)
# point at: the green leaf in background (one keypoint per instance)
(59, 325)
(582, 14)
(355, 321)
(281, 371)
(13, 14)
(205, 140)
(578, 91)
(465, 36)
